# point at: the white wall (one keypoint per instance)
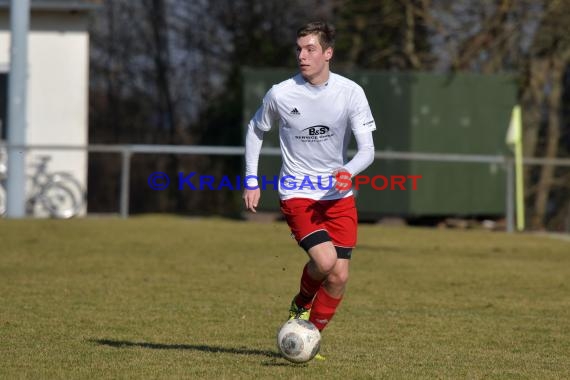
(58, 55)
(4, 41)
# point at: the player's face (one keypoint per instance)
(313, 61)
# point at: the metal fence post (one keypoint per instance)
(510, 194)
(125, 181)
(17, 108)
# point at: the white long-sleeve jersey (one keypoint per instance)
(315, 125)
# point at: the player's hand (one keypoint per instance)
(343, 180)
(251, 198)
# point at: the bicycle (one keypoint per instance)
(59, 193)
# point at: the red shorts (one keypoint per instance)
(313, 222)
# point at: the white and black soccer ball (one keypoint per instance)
(298, 340)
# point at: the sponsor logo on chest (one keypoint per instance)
(315, 133)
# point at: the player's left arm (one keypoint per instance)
(362, 124)
(365, 154)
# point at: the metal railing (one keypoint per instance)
(126, 152)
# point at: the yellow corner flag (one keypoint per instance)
(514, 134)
(514, 141)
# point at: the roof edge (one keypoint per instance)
(56, 6)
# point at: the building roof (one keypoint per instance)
(58, 5)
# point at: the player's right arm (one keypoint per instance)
(253, 142)
(260, 123)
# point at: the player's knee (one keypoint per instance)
(338, 279)
(324, 258)
(325, 265)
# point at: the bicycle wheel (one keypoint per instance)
(72, 183)
(59, 200)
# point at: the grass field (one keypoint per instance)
(167, 297)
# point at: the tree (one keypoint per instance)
(531, 38)
(548, 65)
(381, 35)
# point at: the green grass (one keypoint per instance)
(166, 297)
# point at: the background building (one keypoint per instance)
(58, 75)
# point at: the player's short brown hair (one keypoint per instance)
(325, 31)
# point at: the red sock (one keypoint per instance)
(323, 309)
(308, 289)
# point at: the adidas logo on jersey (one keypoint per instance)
(295, 112)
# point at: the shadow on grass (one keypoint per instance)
(194, 347)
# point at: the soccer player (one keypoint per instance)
(316, 112)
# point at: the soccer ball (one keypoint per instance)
(298, 340)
